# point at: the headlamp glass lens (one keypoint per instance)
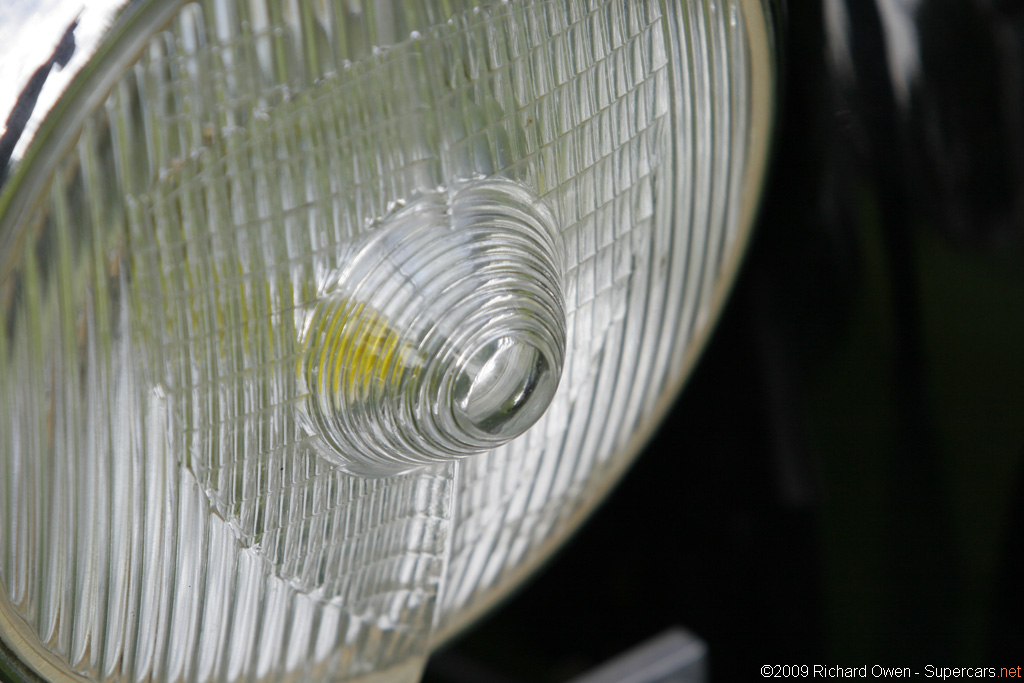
(321, 322)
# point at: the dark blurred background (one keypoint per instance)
(842, 480)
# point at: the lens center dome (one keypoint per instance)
(442, 334)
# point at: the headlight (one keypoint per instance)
(322, 323)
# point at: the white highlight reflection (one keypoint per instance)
(29, 32)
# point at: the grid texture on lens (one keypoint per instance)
(640, 293)
(229, 239)
(163, 514)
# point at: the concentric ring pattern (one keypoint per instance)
(441, 335)
(204, 377)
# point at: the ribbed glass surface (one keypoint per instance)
(329, 320)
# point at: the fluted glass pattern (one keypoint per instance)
(228, 451)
